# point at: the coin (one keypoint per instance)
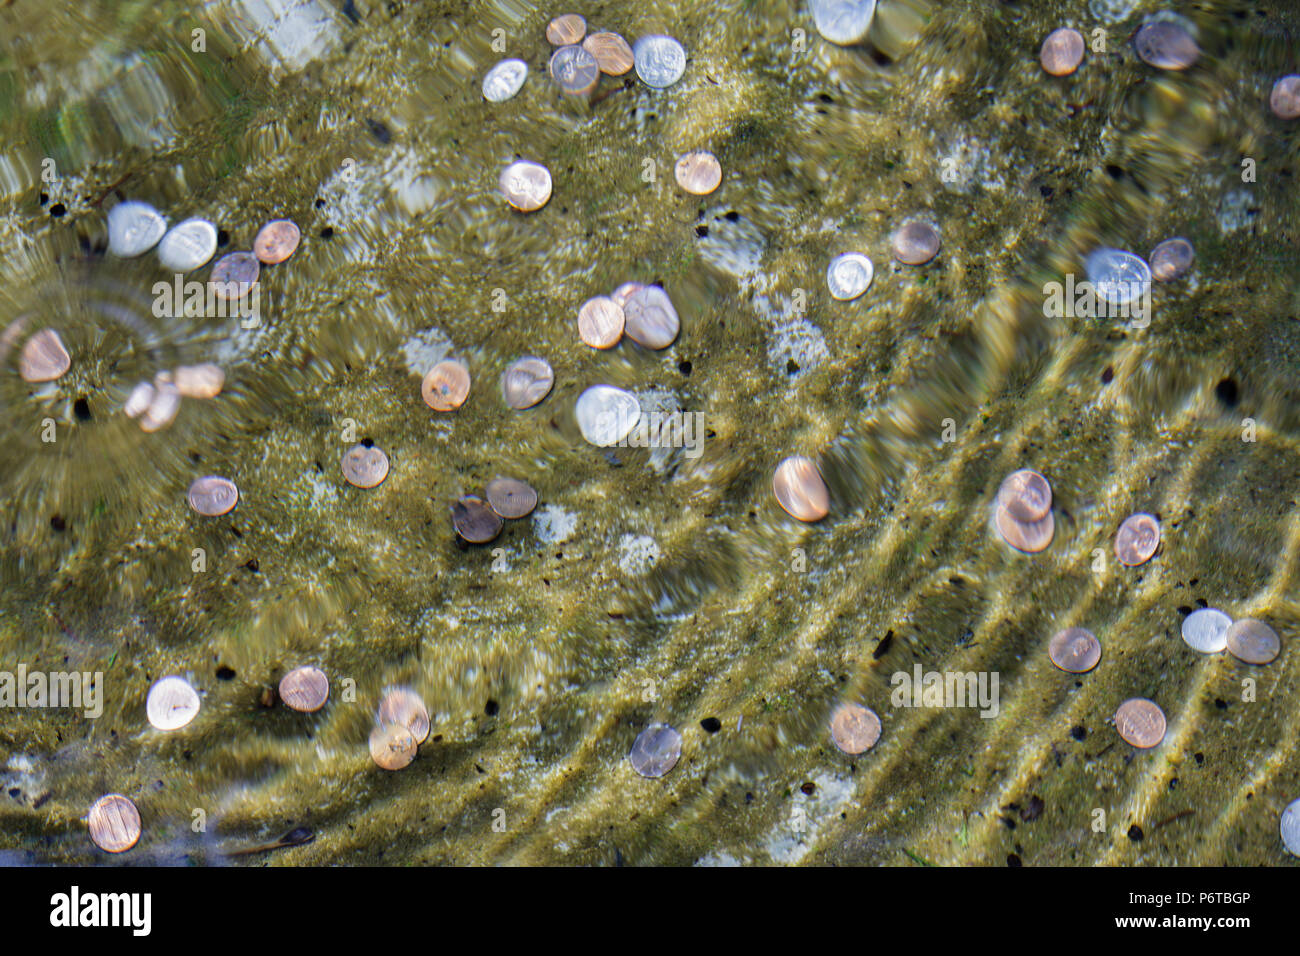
(164, 403)
(510, 498)
(234, 275)
(305, 689)
(1206, 630)
(212, 496)
(606, 414)
(188, 245)
(800, 489)
(527, 382)
(404, 707)
(1166, 44)
(134, 228)
(1171, 259)
(1117, 276)
(1029, 537)
(600, 322)
(854, 728)
(392, 746)
(1062, 51)
(1284, 100)
(199, 381)
(649, 318)
(1026, 495)
(660, 60)
(1290, 828)
(843, 22)
(172, 703)
(1075, 650)
(848, 275)
(474, 520)
(138, 401)
(276, 241)
(43, 358)
(655, 750)
(364, 466)
(1252, 641)
(613, 55)
(620, 294)
(526, 185)
(575, 70)
(1137, 539)
(504, 80)
(1140, 722)
(916, 243)
(446, 385)
(698, 172)
(565, 29)
(114, 823)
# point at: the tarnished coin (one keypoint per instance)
(1171, 259)
(199, 381)
(114, 823)
(655, 750)
(164, 403)
(600, 322)
(446, 385)
(510, 498)
(1206, 630)
(527, 382)
(1253, 641)
(1137, 539)
(649, 318)
(212, 496)
(364, 466)
(1284, 100)
(1026, 495)
(526, 185)
(305, 689)
(172, 703)
(613, 55)
(1290, 827)
(474, 520)
(1140, 722)
(234, 275)
(915, 243)
(504, 80)
(800, 489)
(392, 746)
(660, 60)
(1166, 44)
(404, 707)
(134, 228)
(137, 403)
(849, 275)
(1075, 650)
(43, 358)
(843, 22)
(188, 245)
(277, 241)
(575, 70)
(1117, 276)
(621, 294)
(606, 415)
(698, 172)
(565, 29)
(854, 728)
(1062, 51)
(1029, 537)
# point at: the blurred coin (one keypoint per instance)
(655, 750)
(510, 498)
(527, 382)
(565, 29)
(1062, 51)
(916, 243)
(446, 385)
(1171, 259)
(139, 400)
(1252, 641)
(660, 60)
(392, 746)
(800, 490)
(305, 689)
(364, 467)
(1290, 828)
(504, 80)
(1029, 537)
(172, 703)
(212, 496)
(1117, 276)
(620, 294)
(43, 358)
(1026, 495)
(1140, 722)
(1075, 650)
(575, 70)
(404, 707)
(698, 172)
(188, 245)
(234, 275)
(843, 22)
(600, 322)
(199, 381)
(164, 403)
(1206, 630)
(649, 318)
(1284, 101)
(613, 55)
(276, 241)
(854, 728)
(1137, 539)
(606, 414)
(474, 520)
(134, 228)
(114, 823)
(848, 275)
(526, 185)
(1166, 45)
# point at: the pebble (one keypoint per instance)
(698, 172)
(575, 70)
(1140, 722)
(849, 275)
(526, 185)
(916, 243)
(1252, 641)
(843, 22)
(134, 228)
(1171, 259)
(234, 274)
(392, 747)
(649, 318)
(172, 703)
(613, 55)
(1284, 100)
(600, 321)
(188, 245)
(474, 520)
(211, 496)
(1206, 630)
(527, 382)
(364, 466)
(606, 415)
(114, 823)
(1119, 277)
(137, 403)
(660, 60)
(404, 707)
(510, 498)
(1166, 45)
(800, 489)
(276, 241)
(566, 29)
(43, 358)
(305, 689)
(1074, 650)
(655, 751)
(164, 404)
(504, 80)
(446, 385)
(199, 381)
(1137, 539)
(1062, 51)
(854, 728)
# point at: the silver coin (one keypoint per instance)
(527, 382)
(660, 60)
(849, 275)
(606, 415)
(649, 318)
(188, 245)
(134, 228)
(1206, 630)
(504, 80)
(1253, 641)
(1290, 828)
(1166, 45)
(843, 22)
(172, 703)
(656, 750)
(510, 498)
(1117, 276)
(575, 70)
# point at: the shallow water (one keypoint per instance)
(651, 586)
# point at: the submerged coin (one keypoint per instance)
(565, 29)
(600, 322)
(404, 707)
(527, 382)
(199, 381)
(364, 466)
(392, 746)
(134, 228)
(655, 750)
(1075, 650)
(504, 80)
(1252, 641)
(234, 275)
(526, 185)
(1062, 51)
(1166, 45)
(212, 496)
(621, 294)
(1206, 630)
(1289, 827)
(698, 172)
(1117, 276)
(305, 689)
(510, 498)
(1284, 100)
(843, 22)
(1171, 259)
(474, 520)
(916, 243)
(172, 703)
(1140, 722)
(575, 70)
(114, 823)
(1029, 537)
(188, 245)
(277, 241)
(43, 358)
(1137, 539)
(848, 275)
(649, 318)
(1026, 495)
(606, 415)
(139, 400)
(446, 385)
(800, 489)
(164, 403)
(660, 60)
(854, 728)
(613, 55)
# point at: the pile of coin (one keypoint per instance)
(1022, 511)
(479, 519)
(156, 405)
(401, 725)
(1211, 631)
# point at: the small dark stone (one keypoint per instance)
(1107, 375)
(81, 408)
(491, 708)
(1135, 833)
(58, 209)
(327, 232)
(57, 522)
(379, 131)
(225, 673)
(1226, 391)
(684, 366)
(1014, 860)
(1200, 758)
(711, 724)
(223, 237)
(809, 788)
(1220, 703)
(1079, 732)
(883, 647)
(1033, 810)
(791, 367)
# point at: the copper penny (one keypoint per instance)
(364, 466)
(164, 403)
(649, 318)
(566, 29)
(212, 496)
(446, 386)
(234, 275)
(392, 746)
(854, 728)
(474, 520)
(1284, 100)
(1062, 51)
(600, 322)
(611, 51)
(1137, 539)
(526, 185)
(1140, 722)
(1171, 259)
(527, 382)
(1253, 642)
(575, 70)
(800, 490)
(1075, 650)
(305, 689)
(620, 295)
(1030, 537)
(1025, 495)
(199, 381)
(916, 243)
(43, 358)
(510, 498)
(114, 823)
(404, 707)
(276, 241)
(698, 172)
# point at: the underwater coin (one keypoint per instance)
(526, 185)
(1026, 495)
(566, 29)
(114, 823)
(510, 498)
(600, 322)
(843, 22)
(404, 707)
(1062, 51)
(199, 381)
(1206, 630)
(364, 467)
(1171, 259)
(277, 241)
(234, 275)
(527, 381)
(139, 400)
(1140, 722)
(305, 689)
(212, 496)
(164, 403)
(916, 243)
(1290, 827)
(655, 750)
(43, 358)
(660, 60)
(1252, 641)
(698, 172)
(188, 245)
(800, 489)
(854, 728)
(1137, 539)
(1117, 276)
(620, 294)
(613, 55)
(172, 703)
(649, 318)
(606, 414)
(849, 275)
(1166, 45)
(1284, 101)
(1074, 650)
(392, 746)
(575, 70)
(474, 520)
(504, 80)
(1029, 537)
(134, 228)
(446, 385)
